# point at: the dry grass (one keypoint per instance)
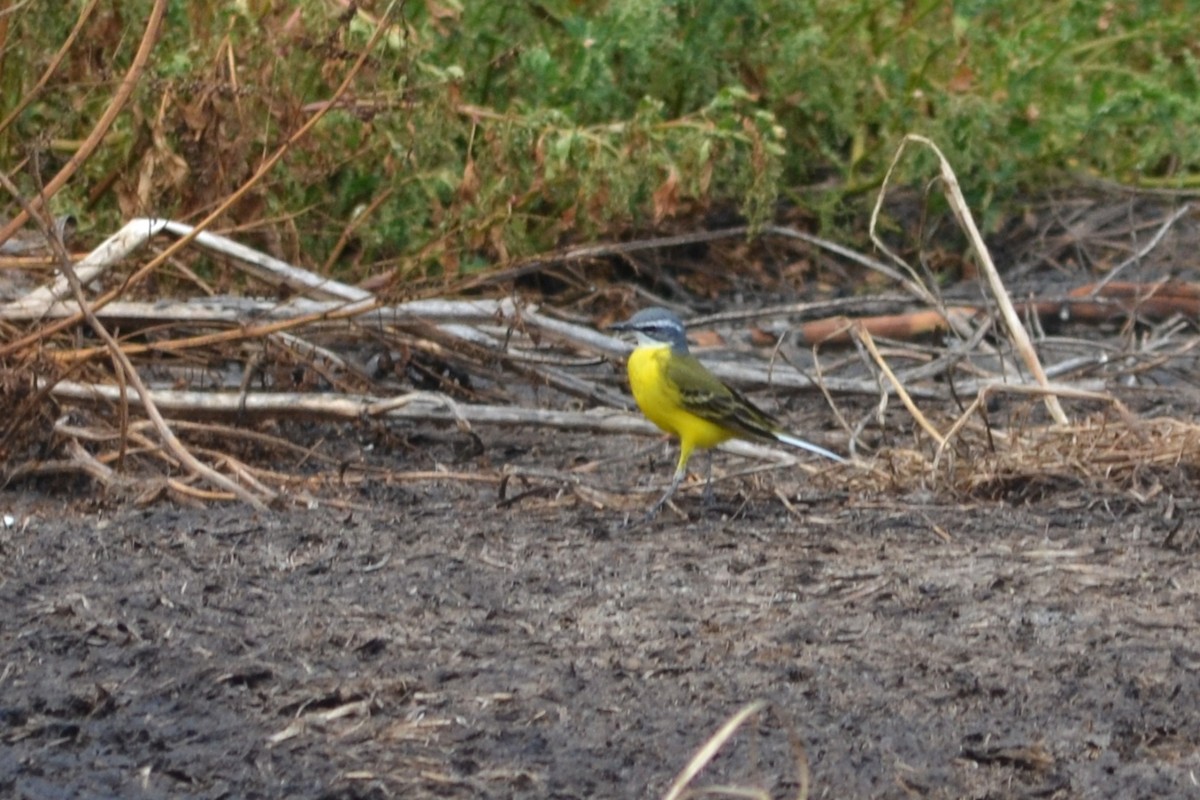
(482, 362)
(682, 786)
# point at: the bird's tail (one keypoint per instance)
(794, 441)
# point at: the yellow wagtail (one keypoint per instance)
(678, 394)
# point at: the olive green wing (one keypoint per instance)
(704, 395)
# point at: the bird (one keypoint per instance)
(683, 398)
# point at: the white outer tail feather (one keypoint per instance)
(787, 438)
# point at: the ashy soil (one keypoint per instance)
(433, 643)
(414, 635)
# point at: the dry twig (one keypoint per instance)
(1012, 321)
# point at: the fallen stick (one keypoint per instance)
(416, 406)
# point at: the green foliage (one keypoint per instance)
(485, 131)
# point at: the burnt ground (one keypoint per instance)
(431, 644)
(413, 636)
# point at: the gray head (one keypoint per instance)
(656, 326)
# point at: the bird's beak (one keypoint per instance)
(619, 326)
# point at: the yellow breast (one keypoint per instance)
(659, 400)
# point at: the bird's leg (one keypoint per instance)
(662, 501)
(709, 499)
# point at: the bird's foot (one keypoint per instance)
(652, 513)
(646, 518)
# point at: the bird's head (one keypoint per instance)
(656, 326)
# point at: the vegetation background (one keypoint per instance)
(484, 132)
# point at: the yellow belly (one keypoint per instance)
(659, 401)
